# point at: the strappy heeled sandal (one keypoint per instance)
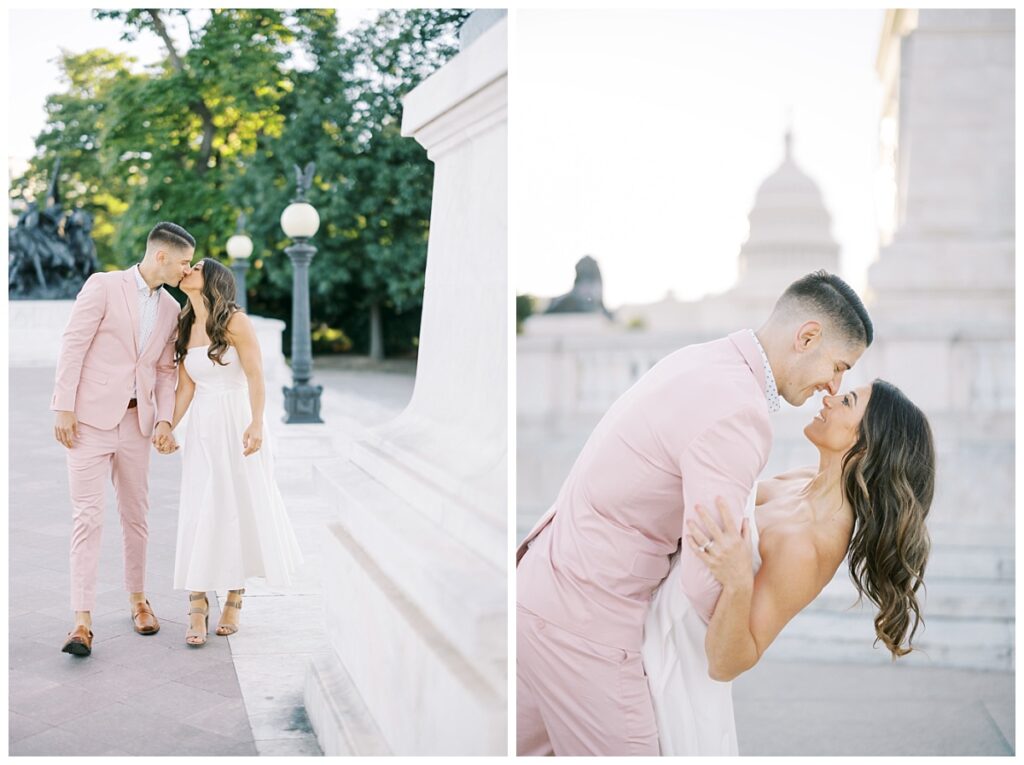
(191, 635)
(230, 629)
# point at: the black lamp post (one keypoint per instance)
(239, 249)
(300, 221)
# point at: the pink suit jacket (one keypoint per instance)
(100, 361)
(693, 427)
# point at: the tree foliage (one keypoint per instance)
(216, 127)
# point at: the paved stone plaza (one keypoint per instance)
(154, 695)
(243, 695)
(799, 709)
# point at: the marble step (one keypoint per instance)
(463, 594)
(297, 448)
(973, 643)
(477, 527)
(972, 561)
(337, 712)
(423, 693)
(957, 598)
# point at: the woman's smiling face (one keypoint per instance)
(836, 426)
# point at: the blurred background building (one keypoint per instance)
(940, 294)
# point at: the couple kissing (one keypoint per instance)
(132, 365)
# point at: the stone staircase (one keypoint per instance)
(412, 608)
(430, 567)
(968, 610)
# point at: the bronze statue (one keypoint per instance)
(51, 253)
(586, 293)
(303, 181)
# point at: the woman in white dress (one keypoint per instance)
(232, 522)
(867, 501)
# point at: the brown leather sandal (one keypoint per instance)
(79, 642)
(143, 619)
(195, 638)
(230, 629)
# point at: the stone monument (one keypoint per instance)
(50, 252)
(415, 587)
(586, 295)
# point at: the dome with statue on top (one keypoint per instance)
(790, 230)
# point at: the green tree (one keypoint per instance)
(373, 186)
(526, 306)
(180, 135)
(215, 129)
(75, 129)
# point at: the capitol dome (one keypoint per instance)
(788, 183)
(790, 231)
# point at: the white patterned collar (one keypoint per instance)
(771, 390)
(141, 283)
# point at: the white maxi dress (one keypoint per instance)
(694, 713)
(232, 521)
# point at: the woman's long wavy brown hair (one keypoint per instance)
(219, 296)
(889, 479)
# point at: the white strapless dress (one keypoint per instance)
(694, 713)
(232, 521)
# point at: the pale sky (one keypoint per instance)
(638, 137)
(36, 38)
(641, 137)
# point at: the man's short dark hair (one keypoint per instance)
(836, 300)
(172, 234)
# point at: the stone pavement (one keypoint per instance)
(154, 695)
(283, 630)
(785, 708)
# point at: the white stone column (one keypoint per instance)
(942, 301)
(416, 584)
(949, 83)
(942, 292)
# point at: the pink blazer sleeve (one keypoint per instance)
(166, 378)
(86, 315)
(725, 461)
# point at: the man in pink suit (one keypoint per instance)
(692, 428)
(114, 393)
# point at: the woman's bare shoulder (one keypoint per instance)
(239, 324)
(770, 487)
(806, 471)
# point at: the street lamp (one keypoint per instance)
(239, 249)
(300, 221)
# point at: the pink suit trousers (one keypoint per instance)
(99, 369)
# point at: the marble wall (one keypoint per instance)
(415, 587)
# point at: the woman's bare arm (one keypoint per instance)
(752, 610)
(747, 620)
(183, 394)
(242, 335)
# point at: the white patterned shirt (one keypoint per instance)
(149, 303)
(771, 391)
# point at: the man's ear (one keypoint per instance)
(808, 336)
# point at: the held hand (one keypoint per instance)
(252, 439)
(65, 428)
(163, 439)
(724, 548)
